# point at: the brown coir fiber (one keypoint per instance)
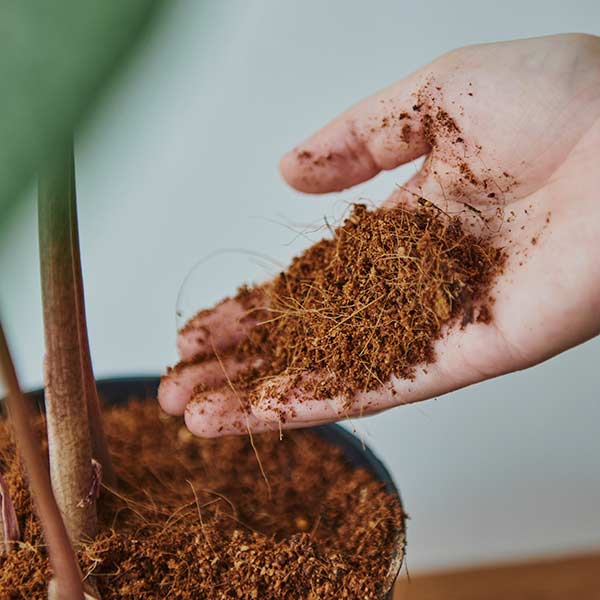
(194, 519)
(371, 301)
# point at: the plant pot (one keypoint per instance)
(118, 391)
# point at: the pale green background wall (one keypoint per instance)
(181, 160)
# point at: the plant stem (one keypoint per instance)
(100, 449)
(62, 557)
(9, 525)
(69, 444)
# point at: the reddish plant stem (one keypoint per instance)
(69, 444)
(100, 449)
(62, 557)
(9, 525)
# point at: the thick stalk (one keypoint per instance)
(69, 444)
(99, 443)
(62, 557)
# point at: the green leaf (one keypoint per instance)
(55, 56)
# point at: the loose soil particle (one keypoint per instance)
(194, 519)
(370, 302)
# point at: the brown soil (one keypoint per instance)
(195, 519)
(371, 301)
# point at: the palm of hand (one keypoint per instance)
(512, 132)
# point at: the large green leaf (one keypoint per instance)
(55, 55)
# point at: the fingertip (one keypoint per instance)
(332, 160)
(172, 396)
(220, 412)
(203, 416)
(201, 422)
(300, 172)
(288, 169)
(177, 387)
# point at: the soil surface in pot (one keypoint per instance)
(259, 518)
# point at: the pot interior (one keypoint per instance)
(117, 391)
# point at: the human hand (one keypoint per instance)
(522, 146)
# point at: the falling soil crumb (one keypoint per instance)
(193, 519)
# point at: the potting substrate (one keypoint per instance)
(196, 518)
(360, 306)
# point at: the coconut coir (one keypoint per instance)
(194, 518)
(369, 302)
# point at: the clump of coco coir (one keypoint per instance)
(194, 518)
(371, 301)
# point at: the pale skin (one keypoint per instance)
(528, 112)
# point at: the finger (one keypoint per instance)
(297, 405)
(221, 412)
(177, 386)
(463, 357)
(218, 329)
(281, 401)
(380, 133)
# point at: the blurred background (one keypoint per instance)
(180, 160)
